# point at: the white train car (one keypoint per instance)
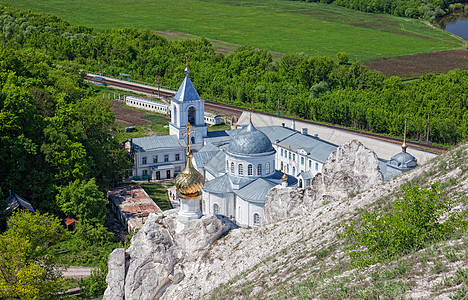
(212, 119)
(164, 108)
(159, 107)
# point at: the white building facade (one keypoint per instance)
(188, 107)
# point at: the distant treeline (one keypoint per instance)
(418, 9)
(317, 88)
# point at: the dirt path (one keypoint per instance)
(78, 272)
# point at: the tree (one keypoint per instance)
(342, 57)
(83, 200)
(26, 271)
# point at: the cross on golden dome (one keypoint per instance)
(189, 141)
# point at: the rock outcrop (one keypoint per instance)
(351, 168)
(155, 259)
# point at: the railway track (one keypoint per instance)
(235, 111)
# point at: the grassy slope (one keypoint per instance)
(276, 25)
(313, 265)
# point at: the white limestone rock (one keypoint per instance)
(351, 168)
(116, 276)
(283, 203)
(157, 254)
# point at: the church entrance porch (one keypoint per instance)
(162, 172)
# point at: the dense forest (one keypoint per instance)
(427, 9)
(318, 88)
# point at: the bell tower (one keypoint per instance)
(188, 108)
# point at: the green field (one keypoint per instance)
(277, 25)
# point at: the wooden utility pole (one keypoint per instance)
(428, 123)
(159, 97)
(279, 91)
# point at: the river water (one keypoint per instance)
(456, 23)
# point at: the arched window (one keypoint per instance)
(294, 171)
(232, 167)
(259, 169)
(256, 220)
(282, 165)
(227, 165)
(250, 170)
(191, 114)
(267, 168)
(215, 209)
(241, 170)
(192, 139)
(175, 114)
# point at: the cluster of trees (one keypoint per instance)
(55, 150)
(318, 88)
(54, 136)
(427, 9)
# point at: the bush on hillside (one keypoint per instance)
(420, 217)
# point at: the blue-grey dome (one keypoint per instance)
(404, 160)
(250, 140)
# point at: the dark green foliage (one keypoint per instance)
(316, 88)
(83, 200)
(415, 221)
(406, 8)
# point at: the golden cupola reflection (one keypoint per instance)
(189, 182)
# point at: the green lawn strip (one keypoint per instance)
(276, 25)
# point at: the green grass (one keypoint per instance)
(219, 127)
(157, 192)
(277, 25)
(156, 128)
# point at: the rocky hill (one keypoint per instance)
(304, 256)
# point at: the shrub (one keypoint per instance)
(421, 216)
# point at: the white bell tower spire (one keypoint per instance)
(187, 107)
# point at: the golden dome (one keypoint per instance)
(284, 177)
(404, 146)
(189, 182)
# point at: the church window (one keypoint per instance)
(294, 156)
(232, 167)
(241, 169)
(192, 139)
(310, 163)
(166, 157)
(294, 171)
(302, 160)
(282, 165)
(282, 152)
(316, 166)
(143, 160)
(267, 168)
(216, 209)
(287, 169)
(155, 159)
(191, 114)
(259, 169)
(177, 156)
(256, 219)
(250, 170)
(227, 165)
(289, 153)
(175, 114)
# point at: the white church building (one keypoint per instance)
(239, 166)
